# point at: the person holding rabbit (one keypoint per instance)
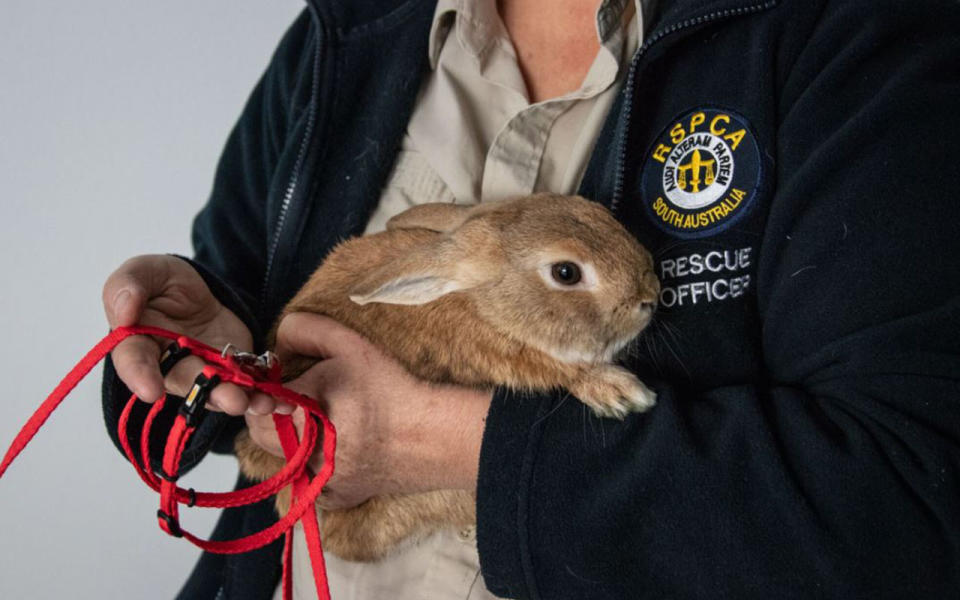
(787, 166)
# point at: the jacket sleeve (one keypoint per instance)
(838, 473)
(230, 232)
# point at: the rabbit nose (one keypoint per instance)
(650, 290)
(644, 310)
(646, 303)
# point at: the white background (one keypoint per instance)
(112, 115)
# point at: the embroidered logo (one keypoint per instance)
(702, 173)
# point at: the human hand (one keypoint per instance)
(396, 434)
(165, 291)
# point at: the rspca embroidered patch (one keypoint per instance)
(702, 173)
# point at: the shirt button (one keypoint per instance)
(467, 534)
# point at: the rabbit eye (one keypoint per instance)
(565, 273)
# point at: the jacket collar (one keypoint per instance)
(349, 16)
(667, 14)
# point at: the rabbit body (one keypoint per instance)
(461, 295)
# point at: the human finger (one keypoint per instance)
(329, 499)
(229, 398)
(263, 433)
(136, 360)
(129, 288)
(284, 408)
(313, 335)
(225, 397)
(264, 404)
(261, 404)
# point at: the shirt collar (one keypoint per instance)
(478, 25)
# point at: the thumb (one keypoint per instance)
(127, 307)
(129, 288)
(316, 336)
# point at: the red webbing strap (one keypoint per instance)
(219, 368)
(69, 382)
(311, 528)
(286, 579)
(208, 499)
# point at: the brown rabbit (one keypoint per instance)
(534, 293)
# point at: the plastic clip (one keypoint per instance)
(173, 527)
(171, 356)
(167, 477)
(194, 406)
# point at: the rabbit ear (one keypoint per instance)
(442, 217)
(422, 276)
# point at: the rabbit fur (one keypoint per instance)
(467, 295)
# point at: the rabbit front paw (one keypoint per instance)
(612, 391)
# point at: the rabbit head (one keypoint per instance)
(558, 273)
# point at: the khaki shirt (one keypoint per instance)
(474, 136)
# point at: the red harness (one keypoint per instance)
(220, 367)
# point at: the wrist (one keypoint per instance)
(441, 447)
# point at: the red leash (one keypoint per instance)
(221, 367)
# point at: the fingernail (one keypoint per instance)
(146, 393)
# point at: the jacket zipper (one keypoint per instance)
(628, 90)
(294, 176)
(621, 159)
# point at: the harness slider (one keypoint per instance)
(171, 356)
(194, 406)
(162, 474)
(173, 526)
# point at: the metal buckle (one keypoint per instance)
(262, 364)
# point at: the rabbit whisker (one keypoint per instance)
(675, 354)
(552, 410)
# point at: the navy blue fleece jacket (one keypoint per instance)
(791, 165)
